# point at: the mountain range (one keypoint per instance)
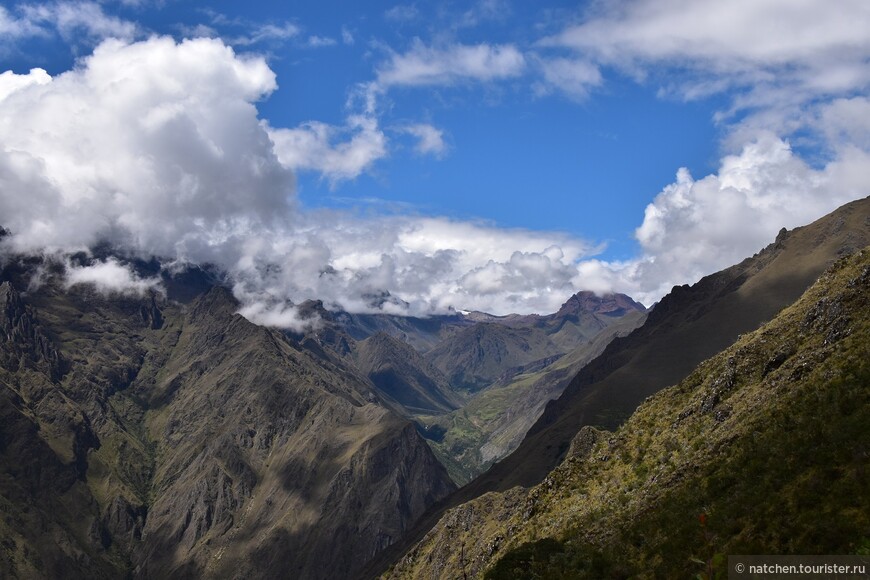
(474, 383)
(689, 325)
(162, 434)
(156, 439)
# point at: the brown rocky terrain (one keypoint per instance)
(149, 438)
(403, 374)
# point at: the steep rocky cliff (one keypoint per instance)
(403, 374)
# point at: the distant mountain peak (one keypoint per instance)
(606, 304)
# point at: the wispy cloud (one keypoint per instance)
(266, 33)
(14, 27)
(430, 140)
(73, 21)
(574, 77)
(424, 65)
(347, 36)
(244, 33)
(775, 53)
(110, 277)
(484, 11)
(315, 41)
(402, 13)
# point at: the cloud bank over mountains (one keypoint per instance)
(157, 146)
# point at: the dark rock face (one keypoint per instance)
(476, 356)
(24, 343)
(589, 303)
(142, 437)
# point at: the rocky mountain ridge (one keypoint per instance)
(183, 441)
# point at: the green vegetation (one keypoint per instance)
(467, 429)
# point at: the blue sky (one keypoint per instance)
(503, 141)
(514, 152)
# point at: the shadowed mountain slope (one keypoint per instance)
(475, 357)
(145, 438)
(494, 422)
(762, 449)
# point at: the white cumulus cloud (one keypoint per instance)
(150, 143)
(157, 146)
(696, 227)
(316, 146)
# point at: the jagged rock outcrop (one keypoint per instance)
(24, 342)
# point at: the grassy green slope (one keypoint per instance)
(762, 449)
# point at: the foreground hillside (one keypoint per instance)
(761, 449)
(149, 438)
